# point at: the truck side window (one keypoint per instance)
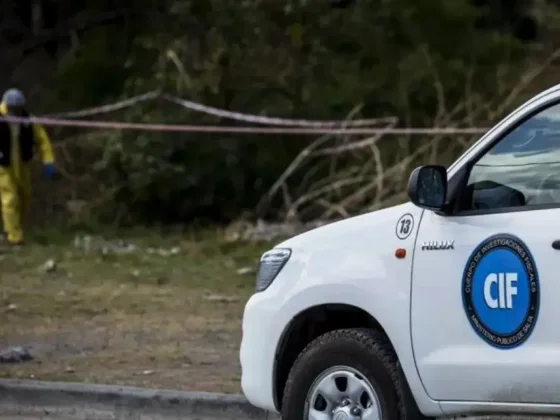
(522, 169)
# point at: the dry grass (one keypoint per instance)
(136, 318)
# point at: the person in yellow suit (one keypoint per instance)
(18, 143)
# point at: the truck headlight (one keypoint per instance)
(270, 265)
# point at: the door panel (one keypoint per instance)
(485, 315)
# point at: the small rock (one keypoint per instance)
(164, 252)
(245, 270)
(69, 370)
(49, 266)
(83, 243)
(14, 355)
(87, 243)
(123, 247)
(175, 250)
(221, 298)
(147, 372)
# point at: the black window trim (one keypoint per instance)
(471, 162)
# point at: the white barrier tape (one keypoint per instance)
(247, 130)
(251, 118)
(222, 113)
(88, 112)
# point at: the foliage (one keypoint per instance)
(415, 59)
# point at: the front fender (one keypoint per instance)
(343, 263)
(391, 314)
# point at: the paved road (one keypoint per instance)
(51, 417)
(3, 417)
(76, 416)
(34, 418)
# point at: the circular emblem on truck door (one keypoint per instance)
(501, 291)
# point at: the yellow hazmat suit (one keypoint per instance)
(17, 144)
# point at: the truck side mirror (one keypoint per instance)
(427, 187)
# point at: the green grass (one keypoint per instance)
(149, 317)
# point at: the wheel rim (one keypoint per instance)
(342, 393)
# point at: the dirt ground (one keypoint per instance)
(151, 310)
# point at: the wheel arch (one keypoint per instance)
(310, 324)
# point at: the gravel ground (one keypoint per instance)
(150, 311)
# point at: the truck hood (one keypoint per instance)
(377, 225)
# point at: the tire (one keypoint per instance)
(349, 352)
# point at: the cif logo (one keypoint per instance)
(499, 290)
(501, 293)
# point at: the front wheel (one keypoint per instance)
(347, 374)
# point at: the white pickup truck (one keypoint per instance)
(446, 305)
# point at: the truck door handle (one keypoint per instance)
(556, 244)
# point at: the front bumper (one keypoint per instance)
(261, 334)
